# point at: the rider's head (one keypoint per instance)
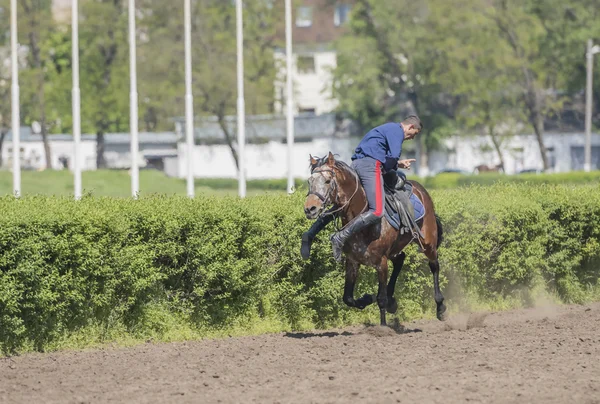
(412, 126)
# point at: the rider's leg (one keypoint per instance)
(370, 173)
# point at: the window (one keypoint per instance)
(342, 14)
(306, 64)
(304, 16)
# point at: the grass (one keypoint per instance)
(117, 183)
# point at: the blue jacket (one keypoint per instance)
(383, 143)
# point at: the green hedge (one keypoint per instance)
(169, 268)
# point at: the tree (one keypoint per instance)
(5, 87)
(104, 69)
(35, 23)
(473, 66)
(5, 106)
(161, 63)
(384, 67)
(478, 62)
(161, 60)
(545, 39)
(214, 38)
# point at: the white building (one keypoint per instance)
(317, 25)
(155, 149)
(565, 152)
(266, 148)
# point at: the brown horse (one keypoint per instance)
(335, 189)
(483, 168)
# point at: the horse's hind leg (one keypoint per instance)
(382, 274)
(434, 265)
(398, 262)
(351, 275)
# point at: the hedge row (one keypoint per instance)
(105, 267)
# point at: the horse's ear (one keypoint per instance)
(330, 160)
(313, 161)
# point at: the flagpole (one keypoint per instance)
(189, 99)
(76, 99)
(241, 113)
(290, 95)
(16, 120)
(133, 102)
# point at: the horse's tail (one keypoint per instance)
(440, 230)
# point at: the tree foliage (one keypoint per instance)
(104, 63)
(480, 64)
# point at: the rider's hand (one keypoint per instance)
(405, 164)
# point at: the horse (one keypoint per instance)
(335, 189)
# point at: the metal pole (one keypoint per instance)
(290, 96)
(241, 113)
(133, 103)
(189, 99)
(76, 99)
(588, 108)
(16, 120)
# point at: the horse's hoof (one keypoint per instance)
(441, 312)
(392, 305)
(305, 248)
(364, 301)
(305, 251)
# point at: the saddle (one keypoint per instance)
(402, 207)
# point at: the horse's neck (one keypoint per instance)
(354, 196)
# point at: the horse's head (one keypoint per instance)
(322, 186)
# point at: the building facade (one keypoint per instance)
(154, 149)
(317, 24)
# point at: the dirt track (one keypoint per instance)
(549, 355)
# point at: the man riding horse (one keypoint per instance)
(377, 154)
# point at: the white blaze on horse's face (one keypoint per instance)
(320, 189)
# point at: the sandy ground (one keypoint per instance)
(544, 355)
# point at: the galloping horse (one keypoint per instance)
(335, 189)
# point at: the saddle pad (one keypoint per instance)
(393, 217)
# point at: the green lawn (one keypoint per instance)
(118, 184)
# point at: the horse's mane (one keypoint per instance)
(321, 161)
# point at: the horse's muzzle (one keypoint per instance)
(312, 212)
(313, 207)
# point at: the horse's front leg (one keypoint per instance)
(351, 275)
(382, 275)
(398, 263)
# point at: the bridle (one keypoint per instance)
(326, 200)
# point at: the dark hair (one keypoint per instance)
(413, 120)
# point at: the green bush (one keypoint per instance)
(169, 267)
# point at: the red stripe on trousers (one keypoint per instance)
(378, 196)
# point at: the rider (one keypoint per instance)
(377, 153)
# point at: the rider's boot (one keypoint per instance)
(310, 234)
(339, 239)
